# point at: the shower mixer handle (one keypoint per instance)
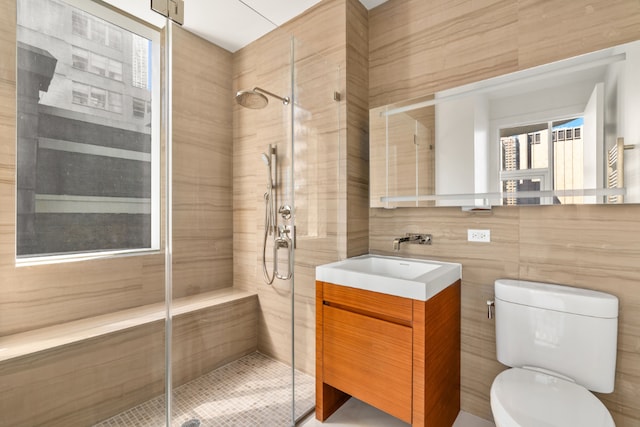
(283, 241)
(285, 212)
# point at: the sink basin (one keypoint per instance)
(404, 277)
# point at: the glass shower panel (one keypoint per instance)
(316, 172)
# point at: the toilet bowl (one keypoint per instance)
(526, 398)
(560, 343)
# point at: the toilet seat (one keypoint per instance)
(526, 398)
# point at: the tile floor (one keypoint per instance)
(255, 391)
(252, 391)
(355, 413)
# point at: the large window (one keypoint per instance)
(88, 169)
(542, 156)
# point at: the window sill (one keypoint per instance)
(85, 256)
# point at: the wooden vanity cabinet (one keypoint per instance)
(399, 355)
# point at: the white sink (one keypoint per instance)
(404, 277)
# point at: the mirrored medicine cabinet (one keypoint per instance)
(561, 133)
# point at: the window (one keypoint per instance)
(576, 133)
(96, 97)
(98, 65)
(81, 93)
(551, 160)
(80, 58)
(568, 134)
(92, 183)
(98, 31)
(95, 29)
(80, 24)
(115, 70)
(92, 62)
(114, 38)
(138, 108)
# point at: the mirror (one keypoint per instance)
(561, 133)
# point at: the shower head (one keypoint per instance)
(266, 159)
(255, 98)
(267, 162)
(251, 99)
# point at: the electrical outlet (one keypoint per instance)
(479, 235)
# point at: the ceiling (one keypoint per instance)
(231, 24)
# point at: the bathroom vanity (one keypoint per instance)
(398, 353)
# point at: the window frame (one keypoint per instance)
(149, 32)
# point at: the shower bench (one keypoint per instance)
(81, 372)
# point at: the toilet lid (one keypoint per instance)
(522, 397)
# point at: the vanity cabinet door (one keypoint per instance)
(369, 358)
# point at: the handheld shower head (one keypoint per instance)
(267, 161)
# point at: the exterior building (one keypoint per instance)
(84, 133)
(562, 165)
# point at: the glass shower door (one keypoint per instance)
(315, 188)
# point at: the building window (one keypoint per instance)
(114, 70)
(95, 29)
(96, 97)
(568, 134)
(139, 107)
(85, 60)
(576, 133)
(561, 135)
(80, 24)
(114, 38)
(81, 93)
(80, 58)
(98, 65)
(98, 32)
(91, 185)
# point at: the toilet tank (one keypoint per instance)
(565, 330)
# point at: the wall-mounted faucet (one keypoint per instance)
(416, 239)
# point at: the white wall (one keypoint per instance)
(455, 149)
(593, 153)
(629, 126)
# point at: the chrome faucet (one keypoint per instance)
(416, 239)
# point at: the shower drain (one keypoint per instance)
(191, 423)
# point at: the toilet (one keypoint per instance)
(560, 342)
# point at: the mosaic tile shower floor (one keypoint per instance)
(252, 391)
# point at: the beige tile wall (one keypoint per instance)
(88, 381)
(418, 47)
(202, 165)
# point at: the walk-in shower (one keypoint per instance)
(185, 331)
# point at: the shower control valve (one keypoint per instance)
(285, 212)
(288, 232)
